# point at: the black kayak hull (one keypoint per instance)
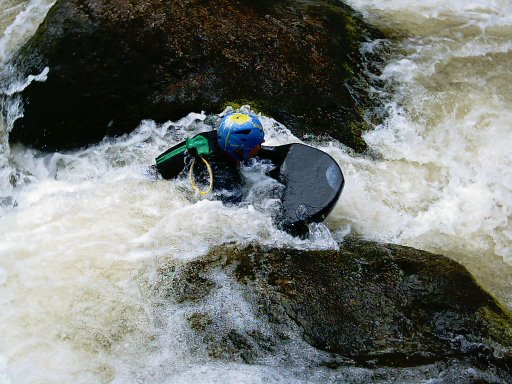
(313, 184)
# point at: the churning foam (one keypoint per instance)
(29, 14)
(415, 16)
(18, 23)
(442, 180)
(84, 226)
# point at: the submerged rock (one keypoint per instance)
(369, 305)
(113, 63)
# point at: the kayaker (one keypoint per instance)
(309, 180)
(238, 138)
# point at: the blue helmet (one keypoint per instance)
(240, 135)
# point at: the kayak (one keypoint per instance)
(312, 180)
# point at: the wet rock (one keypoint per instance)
(370, 305)
(113, 63)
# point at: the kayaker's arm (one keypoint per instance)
(172, 162)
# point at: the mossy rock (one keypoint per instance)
(368, 305)
(113, 63)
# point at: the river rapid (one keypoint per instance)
(82, 232)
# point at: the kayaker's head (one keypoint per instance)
(240, 135)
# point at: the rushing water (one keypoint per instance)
(445, 182)
(80, 231)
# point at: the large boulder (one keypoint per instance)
(368, 305)
(113, 63)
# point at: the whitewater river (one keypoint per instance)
(82, 231)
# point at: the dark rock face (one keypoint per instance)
(368, 305)
(115, 62)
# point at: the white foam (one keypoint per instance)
(23, 27)
(83, 227)
(3, 276)
(4, 379)
(18, 86)
(28, 17)
(437, 8)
